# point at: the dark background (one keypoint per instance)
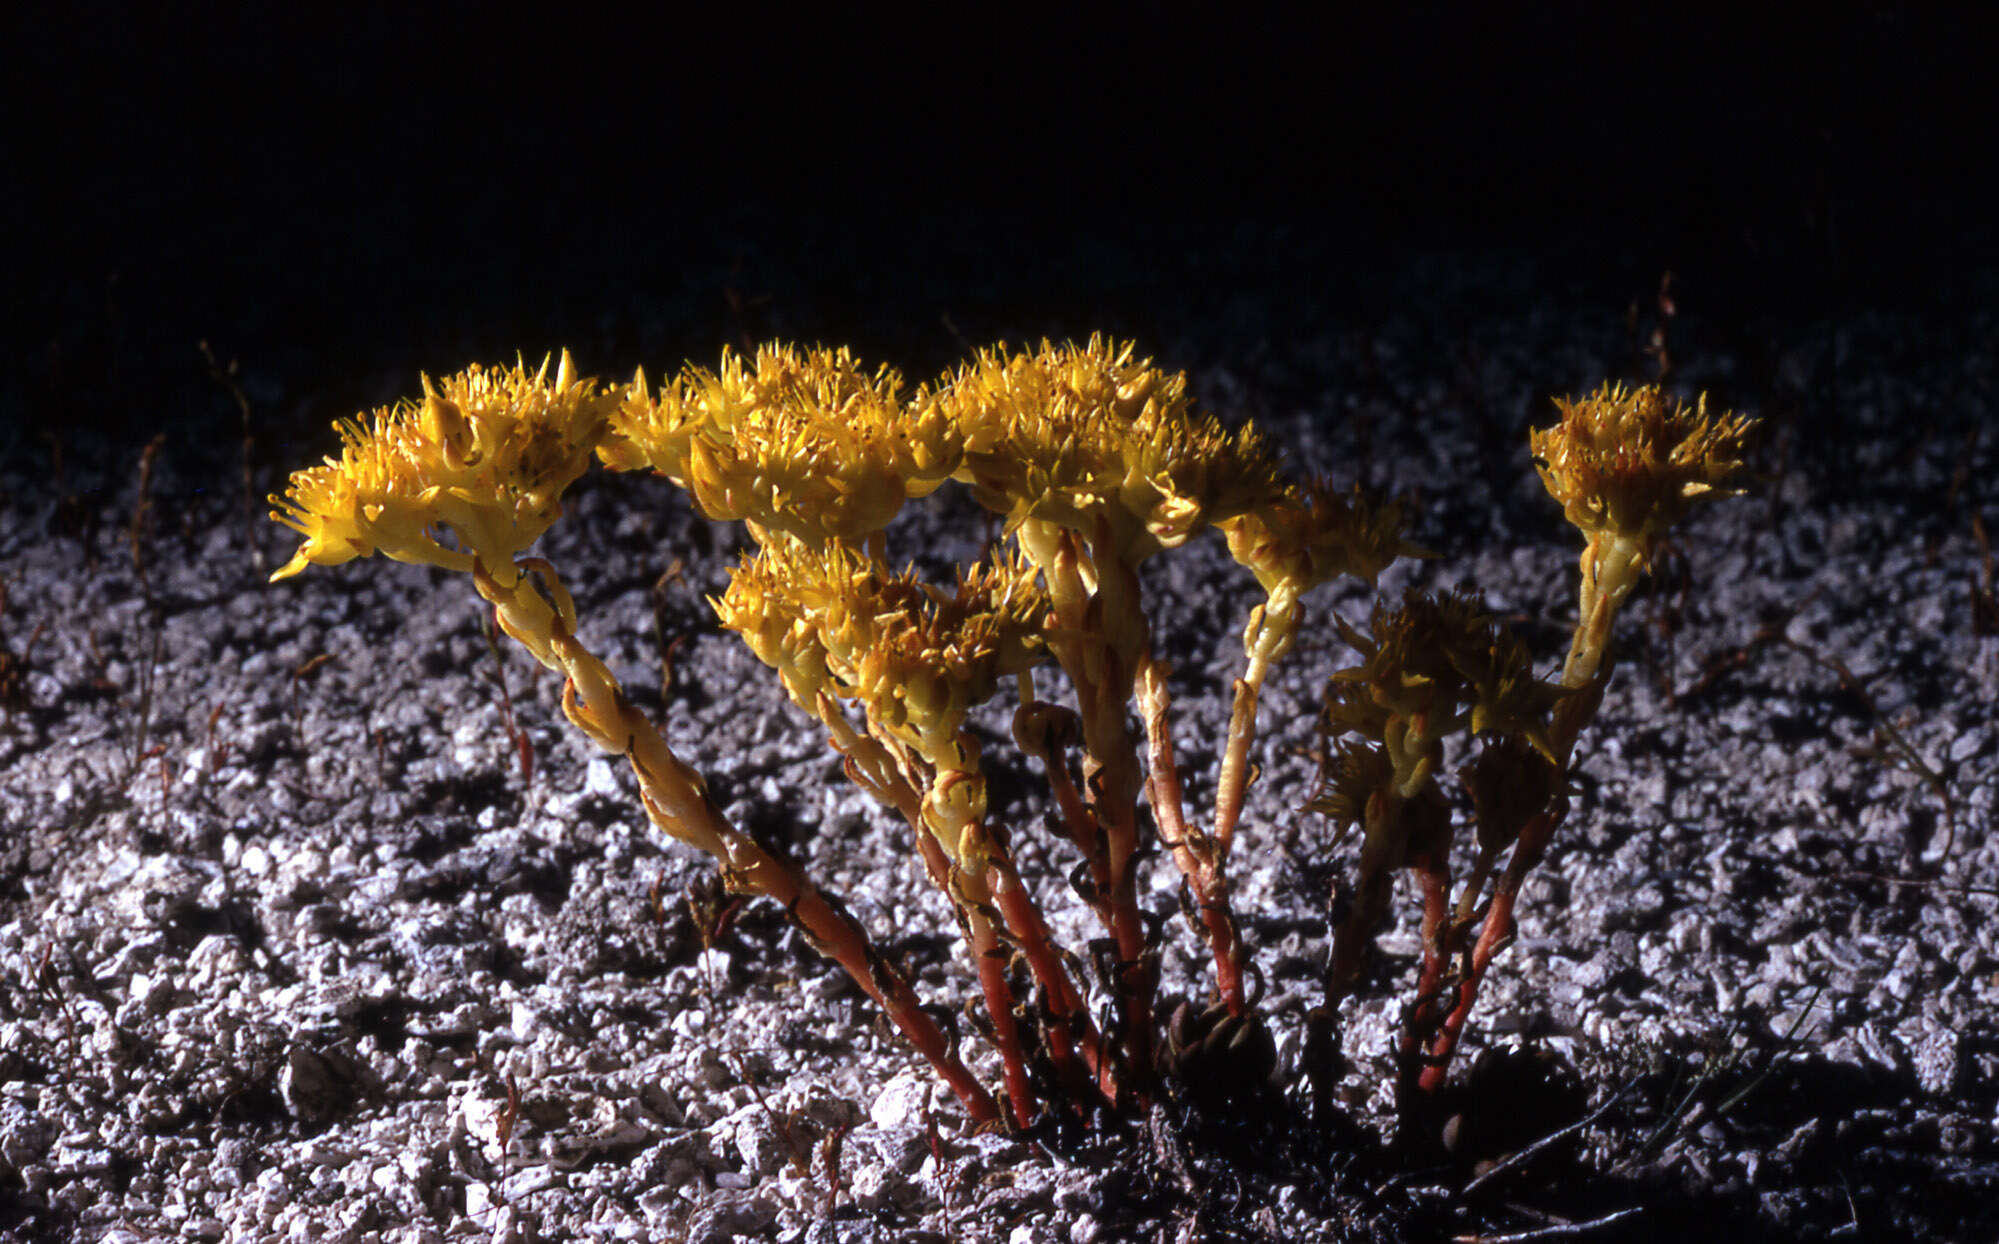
(337, 199)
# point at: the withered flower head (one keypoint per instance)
(1510, 783)
(1352, 774)
(1303, 537)
(1407, 655)
(1631, 461)
(487, 453)
(1504, 693)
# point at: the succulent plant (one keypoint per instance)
(1096, 461)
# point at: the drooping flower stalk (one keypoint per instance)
(676, 800)
(840, 627)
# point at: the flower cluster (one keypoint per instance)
(1625, 464)
(1074, 437)
(1630, 461)
(805, 442)
(1436, 665)
(916, 657)
(486, 453)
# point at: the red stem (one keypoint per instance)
(1434, 876)
(1493, 935)
(1200, 859)
(1069, 1018)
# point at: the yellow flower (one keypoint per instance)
(916, 657)
(773, 611)
(1630, 462)
(1071, 434)
(803, 442)
(487, 453)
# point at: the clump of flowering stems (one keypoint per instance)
(1095, 462)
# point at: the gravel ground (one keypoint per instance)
(295, 944)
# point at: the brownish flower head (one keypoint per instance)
(1411, 655)
(1510, 783)
(1631, 461)
(1352, 774)
(487, 453)
(1442, 660)
(1503, 692)
(1303, 537)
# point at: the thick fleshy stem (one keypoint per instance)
(1234, 783)
(992, 956)
(1200, 858)
(1382, 837)
(1272, 627)
(1572, 716)
(896, 791)
(676, 800)
(1089, 625)
(1072, 1039)
(953, 816)
(1046, 732)
(1612, 564)
(871, 764)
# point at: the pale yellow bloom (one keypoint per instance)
(1630, 461)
